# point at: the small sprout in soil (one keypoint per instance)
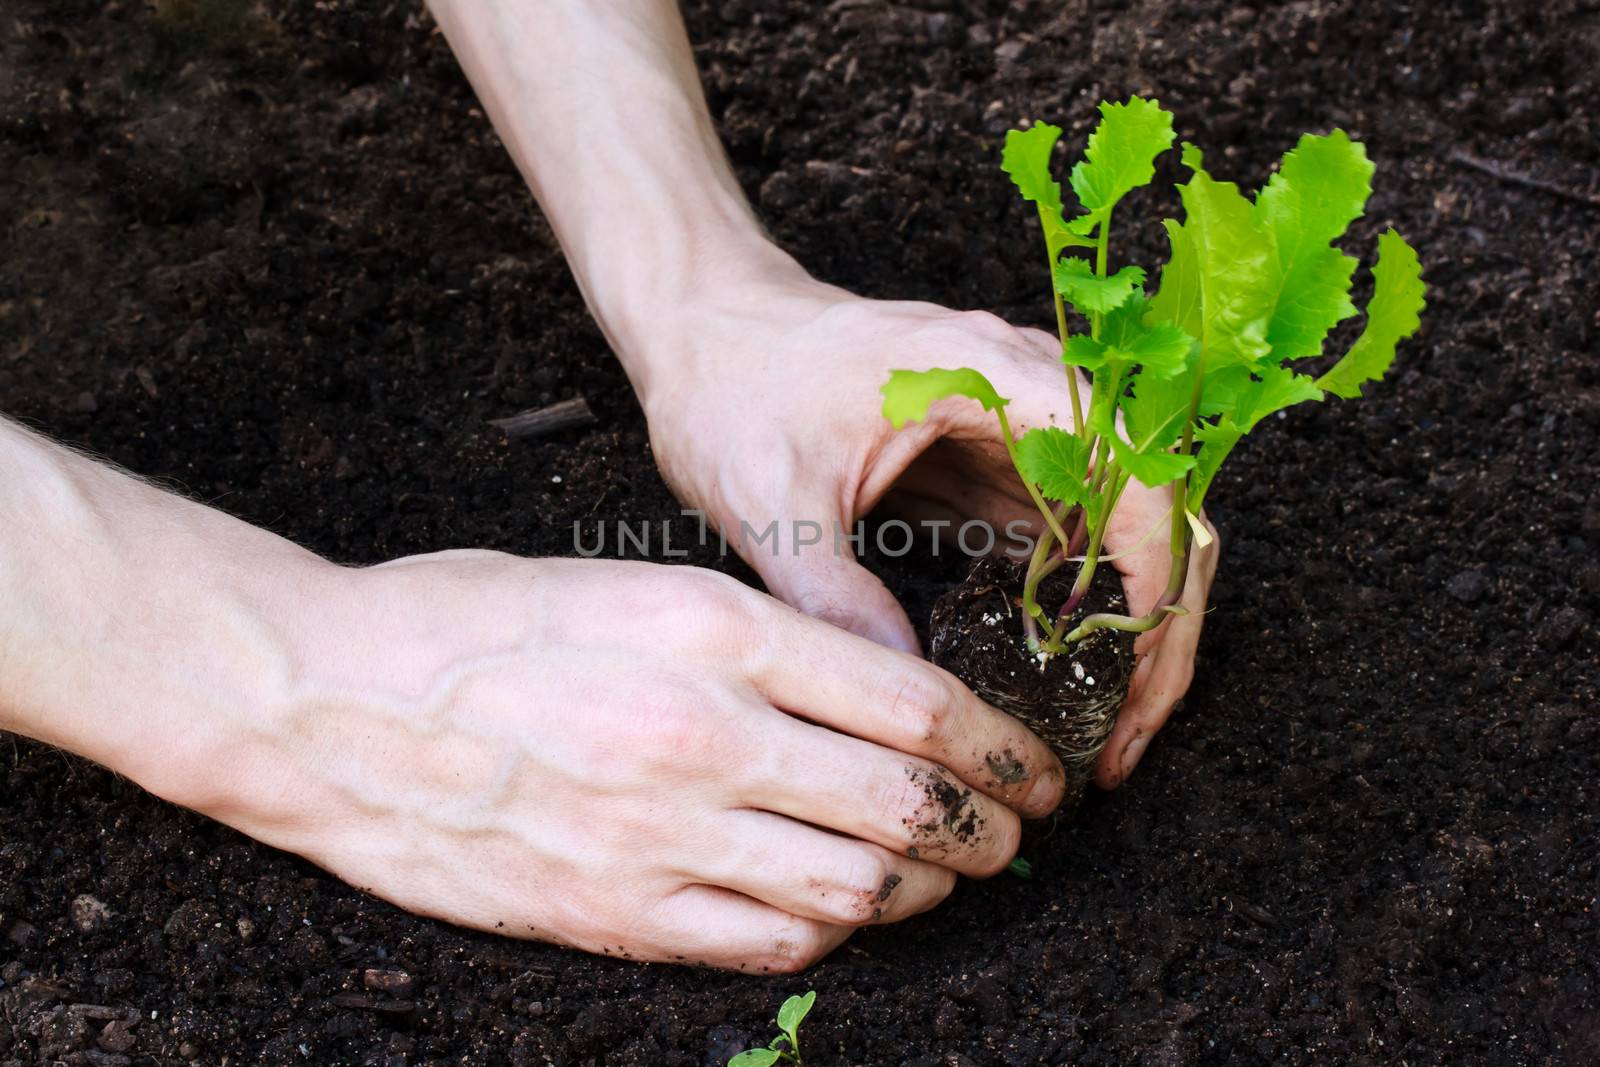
(785, 1048)
(1252, 288)
(1020, 867)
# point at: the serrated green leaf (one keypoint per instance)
(1392, 316)
(1156, 411)
(1083, 225)
(1314, 298)
(1321, 186)
(1026, 157)
(1121, 153)
(908, 393)
(1274, 389)
(1088, 293)
(1158, 347)
(1217, 287)
(793, 1011)
(1247, 397)
(1216, 441)
(1084, 351)
(1153, 469)
(1056, 461)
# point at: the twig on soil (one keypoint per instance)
(541, 422)
(1505, 174)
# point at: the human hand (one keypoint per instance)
(763, 401)
(652, 762)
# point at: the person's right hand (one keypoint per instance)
(652, 762)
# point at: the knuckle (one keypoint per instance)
(668, 728)
(861, 893)
(922, 708)
(986, 324)
(713, 611)
(794, 950)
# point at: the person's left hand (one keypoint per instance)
(764, 405)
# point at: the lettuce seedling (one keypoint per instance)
(785, 1048)
(1252, 287)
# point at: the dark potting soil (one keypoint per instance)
(1070, 699)
(273, 256)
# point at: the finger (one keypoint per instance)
(905, 704)
(907, 805)
(818, 573)
(817, 875)
(715, 927)
(1163, 677)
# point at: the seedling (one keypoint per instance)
(1251, 289)
(785, 1048)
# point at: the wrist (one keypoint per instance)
(652, 309)
(142, 630)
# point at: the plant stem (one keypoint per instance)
(1039, 502)
(1180, 541)
(1080, 588)
(1078, 426)
(1041, 566)
(1101, 244)
(1141, 623)
(1030, 610)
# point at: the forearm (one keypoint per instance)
(137, 628)
(600, 106)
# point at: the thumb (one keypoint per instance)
(817, 573)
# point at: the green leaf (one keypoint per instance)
(1247, 397)
(1083, 226)
(1090, 294)
(1156, 411)
(1158, 347)
(1056, 461)
(1026, 157)
(1216, 441)
(1220, 393)
(1217, 287)
(793, 1012)
(1321, 186)
(1084, 351)
(1392, 316)
(1274, 389)
(908, 393)
(756, 1057)
(1121, 154)
(1153, 469)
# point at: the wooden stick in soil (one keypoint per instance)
(541, 422)
(1503, 173)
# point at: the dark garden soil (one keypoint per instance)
(284, 265)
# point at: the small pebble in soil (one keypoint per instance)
(395, 983)
(117, 1036)
(89, 913)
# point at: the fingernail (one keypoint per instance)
(1131, 754)
(1044, 792)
